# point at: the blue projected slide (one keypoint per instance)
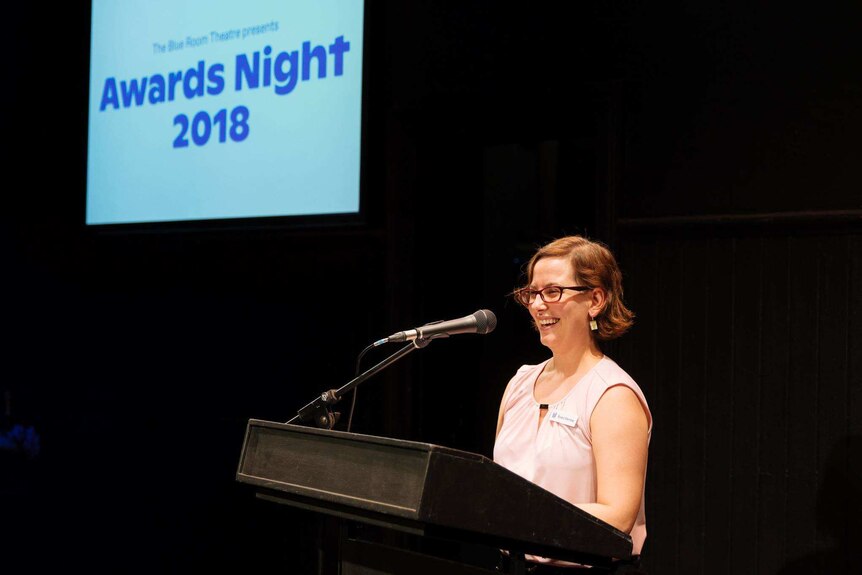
(209, 109)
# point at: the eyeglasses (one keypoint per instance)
(550, 294)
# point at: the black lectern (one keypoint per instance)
(421, 489)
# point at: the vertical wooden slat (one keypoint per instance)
(692, 417)
(665, 442)
(772, 455)
(854, 339)
(718, 445)
(831, 413)
(802, 396)
(852, 529)
(745, 390)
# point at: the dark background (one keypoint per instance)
(715, 147)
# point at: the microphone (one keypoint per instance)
(482, 322)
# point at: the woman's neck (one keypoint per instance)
(576, 360)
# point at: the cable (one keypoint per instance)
(355, 389)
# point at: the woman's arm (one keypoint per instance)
(502, 410)
(619, 427)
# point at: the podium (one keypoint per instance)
(422, 489)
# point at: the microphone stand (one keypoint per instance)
(319, 409)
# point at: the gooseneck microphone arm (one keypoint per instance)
(318, 410)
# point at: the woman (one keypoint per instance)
(577, 424)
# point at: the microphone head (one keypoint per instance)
(486, 321)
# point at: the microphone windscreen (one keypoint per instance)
(486, 321)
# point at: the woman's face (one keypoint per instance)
(563, 324)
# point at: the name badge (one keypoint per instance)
(564, 418)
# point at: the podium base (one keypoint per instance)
(365, 558)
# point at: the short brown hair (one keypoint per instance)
(594, 265)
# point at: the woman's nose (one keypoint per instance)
(538, 302)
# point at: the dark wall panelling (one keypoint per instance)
(802, 395)
(775, 367)
(744, 286)
(667, 391)
(854, 353)
(693, 282)
(718, 358)
(746, 348)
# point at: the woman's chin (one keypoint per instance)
(548, 338)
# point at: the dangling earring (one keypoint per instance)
(594, 326)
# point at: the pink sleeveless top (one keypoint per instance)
(558, 455)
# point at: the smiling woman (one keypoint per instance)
(577, 424)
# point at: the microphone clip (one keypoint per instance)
(418, 343)
(420, 340)
(320, 410)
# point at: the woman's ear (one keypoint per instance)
(598, 300)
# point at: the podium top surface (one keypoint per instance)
(427, 488)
